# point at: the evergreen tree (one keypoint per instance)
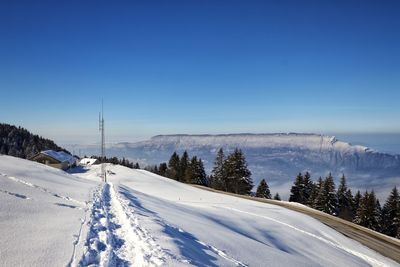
(391, 214)
(136, 166)
(218, 174)
(296, 192)
(367, 214)
(277, 196)
(356, 202)
(162, 169)
(378, 215)
(238, 176)
(173, 166)
(345, 200)
(308, 187)
(263, 190)
(195, 173)
(315, 194)
(183, 165)
(201, 177)
(326, 200)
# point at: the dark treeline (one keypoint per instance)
(363, 209)
(19, 142)
(229, 174)
(115, 160)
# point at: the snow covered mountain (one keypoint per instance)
(278, 157)
(51, 218)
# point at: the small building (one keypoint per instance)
(89, 162)
(57, 159)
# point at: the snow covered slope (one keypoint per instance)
(42, 210)
(52, 218)
(146, 220)
(278, 157)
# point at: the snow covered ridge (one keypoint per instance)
(309, 141)
(318, 149)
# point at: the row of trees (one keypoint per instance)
(229, 174)
(115, 160)
(363, 209)
(183, 169)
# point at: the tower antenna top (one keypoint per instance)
(103, 143)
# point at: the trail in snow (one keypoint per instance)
(14, 194)
(193, 244)
(115, 237)
(370, 260)
(45, 190)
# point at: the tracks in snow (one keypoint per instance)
(115, 237)
(45, 190)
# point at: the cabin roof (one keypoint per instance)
(60, 156)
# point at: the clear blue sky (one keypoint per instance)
(199, 67)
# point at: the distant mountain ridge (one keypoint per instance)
(327, 149)
(278, 157)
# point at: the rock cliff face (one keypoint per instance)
(276, 157)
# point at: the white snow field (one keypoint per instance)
(51, 218)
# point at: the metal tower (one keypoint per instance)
(103, 143)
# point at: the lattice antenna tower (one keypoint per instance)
(103, 142)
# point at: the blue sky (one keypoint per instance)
(199, 67)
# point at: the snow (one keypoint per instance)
(41, 213)
(53, 218)
(87, 161)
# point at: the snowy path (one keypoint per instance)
(115, 238)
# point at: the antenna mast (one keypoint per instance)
(103, 143)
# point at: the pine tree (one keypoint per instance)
(391, 214)
(173, 166)
(326, 199)
(195, 173)
(308, 187)
(238, 175)
(162, 169)
(367, 214)
(183, 165)
(315, 194)
(378, 215)
(263, 190)
(218, 174)
(201, 174)
(296, 192)
(277, 196)
(345, 200)
(356, 202)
